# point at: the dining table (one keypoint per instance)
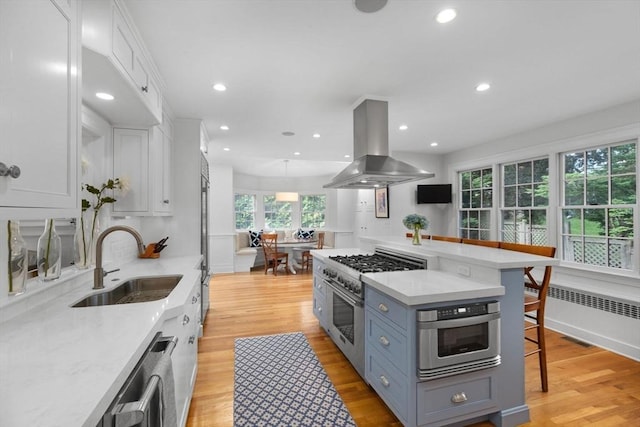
(290, 245)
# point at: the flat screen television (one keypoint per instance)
(434, 193)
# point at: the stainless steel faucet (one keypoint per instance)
(98, 273)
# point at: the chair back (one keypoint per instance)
(447, 239)
(269, 244)
(541, 286)
(320, 240)
(477, 242)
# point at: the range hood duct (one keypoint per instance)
(372, 166)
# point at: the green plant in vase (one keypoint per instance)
(417, 223)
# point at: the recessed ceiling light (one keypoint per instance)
(224, 127)
(219, 87)
(297, 153)
(346, 156)
(446, 15)
(288, 133)
(105, 96)
(434, 144)
(316, 135)
(227, 149)
(483, 87)
(403, 127)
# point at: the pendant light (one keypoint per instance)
(283, 196)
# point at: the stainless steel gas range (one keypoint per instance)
(345, 295)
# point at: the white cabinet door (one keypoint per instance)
(161, 172)
(39, 100)
(131, 163)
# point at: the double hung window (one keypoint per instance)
(312, 210)
(476, 193)
(277, 215)
(245, 211)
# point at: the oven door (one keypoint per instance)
(346, 325)
(450, 342)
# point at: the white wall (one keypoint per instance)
(221, 219)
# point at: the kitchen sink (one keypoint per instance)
(139, 289)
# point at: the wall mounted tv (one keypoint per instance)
(434, 193)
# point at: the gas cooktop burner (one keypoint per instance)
(374, 263)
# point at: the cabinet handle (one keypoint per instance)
(166, 201)
(319, 309)
(385, 382)
(459, 397)
(384, 341)
(13, 171)
(145, 88)
(192, 339)
(194, 299)
(383, 307)
(185, 320)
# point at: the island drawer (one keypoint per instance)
(390, 384)
(449, 398)
(386, 307)
(386, 339)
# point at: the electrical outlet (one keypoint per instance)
(463, 270)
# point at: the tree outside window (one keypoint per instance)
(312, 210)
(599, 204)
(476, 192)
(525, 199)
(245, 211)
(277, 215)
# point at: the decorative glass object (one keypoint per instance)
(18, 261)
(416, 235)
(49, 252)
(84, 241)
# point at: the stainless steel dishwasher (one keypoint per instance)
(145, 398)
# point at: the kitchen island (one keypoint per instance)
(63, 365)
(497, 392)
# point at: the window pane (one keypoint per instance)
(623, 159)
(244, 211)
(509, 197)
(574, 192)
(539, 217)
(621, 223)
(623, 189)
(476, 199)
(487, 178)
(466, 199)
(473, 219)
(509, 174)
(464, 219)
(485, 219)
(540, 195)
(524, 173)
(572, 221)
(277, 215)
(313, 211)
(540, 170)
(573, 164)
(573, 249)
(594, 222)
(595, 251)
(487, 198)
(524, 195)
(465, 180)
(476, 179)
(597, 191)
(598, 162)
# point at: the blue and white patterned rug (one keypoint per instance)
(279, 381)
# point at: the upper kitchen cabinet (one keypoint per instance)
(115, 61)
(39, 108)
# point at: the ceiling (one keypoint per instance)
(301, 66)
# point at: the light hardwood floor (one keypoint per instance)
(587, 385)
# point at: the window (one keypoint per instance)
(277, 215)
(476, 192)
(312, 210)
(245, 209)
(599, 200)
(525, 199)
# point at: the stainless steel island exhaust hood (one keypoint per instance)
(372, 166)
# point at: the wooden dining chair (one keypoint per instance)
(477, 242)
(272, 257)
(447, 239)
(534, 304)
(306, 254)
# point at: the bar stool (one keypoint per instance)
(534, 304)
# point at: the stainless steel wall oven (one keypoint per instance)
(458, 338)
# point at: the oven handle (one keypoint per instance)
(342, 294)
(456, 323)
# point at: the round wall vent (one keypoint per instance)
(369, 6)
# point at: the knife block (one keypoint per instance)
(148, 252)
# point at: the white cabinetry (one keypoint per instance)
(115, 60)
(39, 51)
(162, 142)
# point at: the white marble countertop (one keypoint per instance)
(62, 366)
(472, 254)
(418, 287)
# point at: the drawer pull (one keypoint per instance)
(385, 382)
(383, 307)
(384, 341)
(192, 339)
(194, 299)
(319, 309)
(459, 397)
(185, 320)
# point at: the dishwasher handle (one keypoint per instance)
(132, 413)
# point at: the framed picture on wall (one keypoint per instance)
(382, 202)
